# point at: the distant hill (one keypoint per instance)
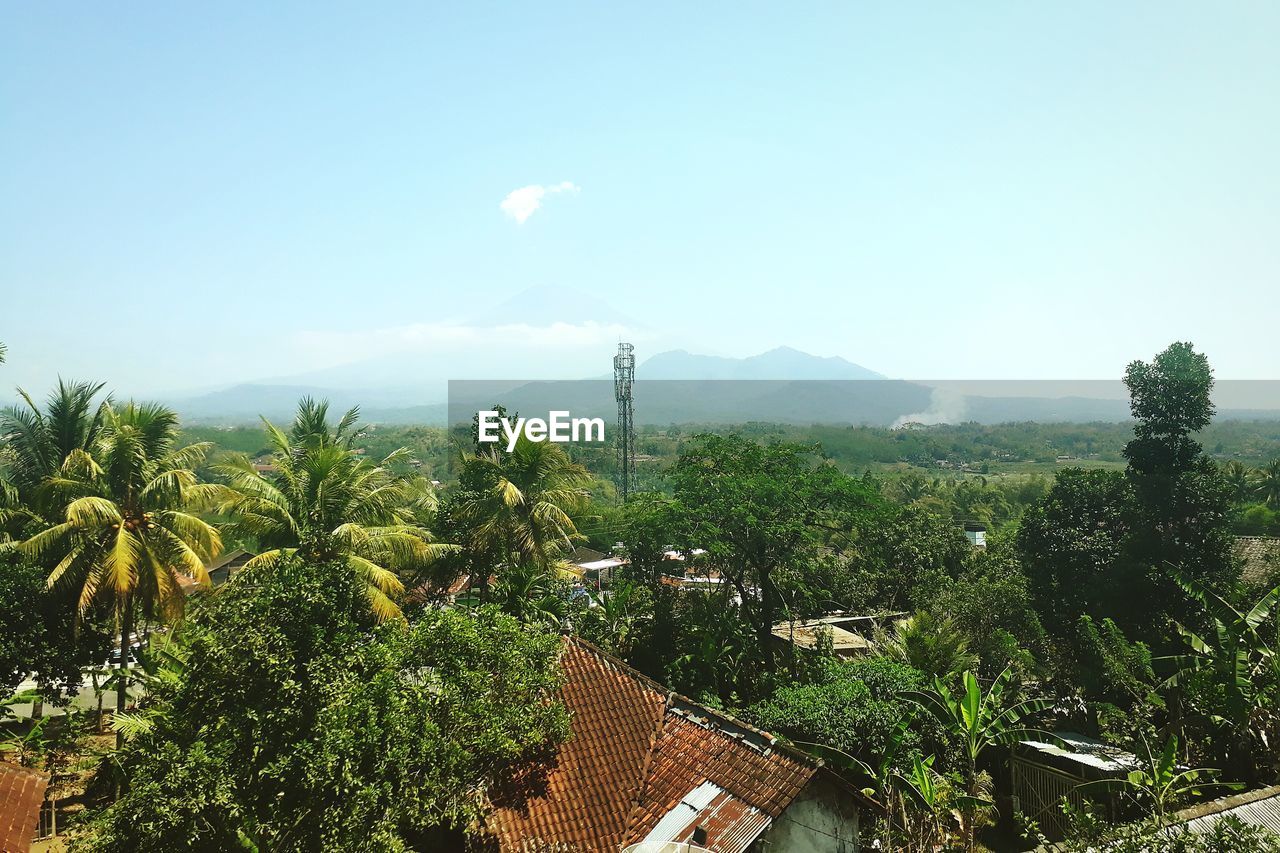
(780, 363)
(245, 403)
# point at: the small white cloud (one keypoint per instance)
(522, 203)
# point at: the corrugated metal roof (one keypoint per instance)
(1080, 749)
(728, 824)
(1257, 808)
(681, 815)
(731, 826)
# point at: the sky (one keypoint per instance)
(200, 194)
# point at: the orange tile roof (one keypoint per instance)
(634, 752)
(21, 795)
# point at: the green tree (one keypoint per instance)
(759, 512)
(38, 632)
(129, 538)
(297, 724)
(907, 556)
(991, 603)
(1181, 500)
(325, 502)
(1074, 547)
(533, 594)
(1100, 541)
(855, 707)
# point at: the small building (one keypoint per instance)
(597, 567)
(1257, 808)
(21, 798)
(1042, 774)
(645, 769)
(220, 570)
(976, 533)
(810, 635)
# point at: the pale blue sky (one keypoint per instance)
(193, 194)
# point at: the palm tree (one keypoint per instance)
(1240, 479)
(1268, 484)
(935, 646)
(128, 537)
(980, 722)
(327, 503)
(518, 505)
(3, 350)
(38, 443)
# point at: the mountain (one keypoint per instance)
(549, 305)
(780, 363)
(241, 404)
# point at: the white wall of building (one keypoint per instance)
(822, 819)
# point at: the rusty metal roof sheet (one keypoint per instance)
(21, 796)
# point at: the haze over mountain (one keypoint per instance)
(373, 383)
(542, 333)
(537, 346)
(779, 363)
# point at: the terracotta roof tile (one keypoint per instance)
(21, 795)
(1260, 559)
(634, 752)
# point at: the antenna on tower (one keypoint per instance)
(624, 376)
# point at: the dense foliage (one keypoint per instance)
(361, 684)
(298, 725)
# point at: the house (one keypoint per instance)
(1042, 774)
(220, 570)
(644, 768)
(1256, 808)
(1259, 558)
(21, 798)
(597, 567)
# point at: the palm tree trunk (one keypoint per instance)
(122, 689)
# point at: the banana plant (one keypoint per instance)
(917, 803)
(937, 800)
(980, 721)
(28, 746)
(1234, 655)
(1162, 783)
